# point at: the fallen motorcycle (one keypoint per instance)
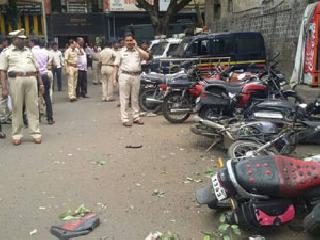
(226, 132)
(265, 192)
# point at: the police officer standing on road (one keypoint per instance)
(128, 62)
(107, 57)
(20, 65)
(70, 58)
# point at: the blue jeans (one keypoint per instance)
(57, 72)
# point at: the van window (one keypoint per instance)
(204, 47)
(172, 49)
(158, 48)
(222, 46)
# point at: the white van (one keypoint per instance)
(163, 48)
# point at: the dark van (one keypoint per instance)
(223, 49)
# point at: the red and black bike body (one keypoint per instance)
(266, 191)
(221, 99)
(180, 97)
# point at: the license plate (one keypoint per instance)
(219, 191)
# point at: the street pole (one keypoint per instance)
(44, 21)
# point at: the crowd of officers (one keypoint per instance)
(28, 73)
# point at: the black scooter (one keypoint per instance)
(265, 192)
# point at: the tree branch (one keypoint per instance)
(145, 5)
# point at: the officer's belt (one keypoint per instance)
(72, 65)
(109, 65)
(131, 73)
(21, 74)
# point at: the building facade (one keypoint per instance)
(21, 14)
(278, 20)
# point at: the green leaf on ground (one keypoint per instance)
(223, 228)
(81, 211)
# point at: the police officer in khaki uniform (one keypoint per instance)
(107, 57)
(70, 58)
(128, 62)
(19, 64)
(96, 70)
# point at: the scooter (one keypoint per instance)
(265, 192)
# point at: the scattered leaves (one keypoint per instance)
(81, 211)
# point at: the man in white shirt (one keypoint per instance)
(57, 56)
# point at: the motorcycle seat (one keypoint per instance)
(277, 103)
(180, 84)
(277, 176)
(233, 88)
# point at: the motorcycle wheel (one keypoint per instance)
(241, 148)
(209, 113)
(148, 107)
(171, 98)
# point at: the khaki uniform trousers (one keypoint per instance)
(72, 81)
(4, 110)
(107, 84)
(24, 90)
(95, 72)
(129, 85)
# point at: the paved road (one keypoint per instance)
(38, 182)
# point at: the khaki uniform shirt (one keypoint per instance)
(51, 62)
(95, 56)
(107, 57)
(129, 61)
(13, 59)
(71, 56)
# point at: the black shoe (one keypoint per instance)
(51, 121)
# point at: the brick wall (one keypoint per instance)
(279, 25)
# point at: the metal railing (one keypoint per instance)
(174, 64)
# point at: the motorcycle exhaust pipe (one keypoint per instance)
(153, 100)
(212, 124)
(180, 110)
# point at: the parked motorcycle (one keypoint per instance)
(265, 192)
(152, 90)
(223, 100)
(181, 95)
(151, 86)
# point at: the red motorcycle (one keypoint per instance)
(180, 97)
(222, 100)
